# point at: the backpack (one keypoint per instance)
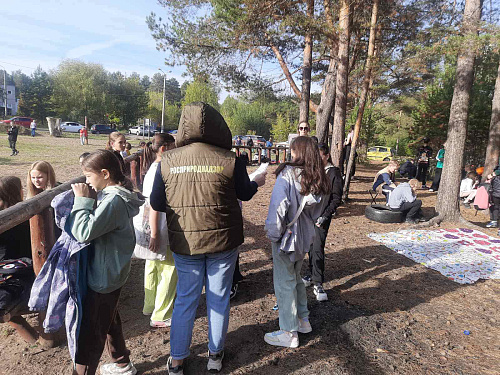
(482, 199)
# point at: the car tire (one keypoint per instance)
(383, 214)
(387, 159)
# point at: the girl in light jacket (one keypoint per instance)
(300, 183)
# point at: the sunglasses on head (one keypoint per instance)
(303, 128)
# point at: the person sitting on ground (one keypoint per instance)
(468, 188)
(384, 179)
(404, 199)
(408, 169)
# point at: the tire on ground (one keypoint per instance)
(383, 214)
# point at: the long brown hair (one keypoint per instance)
(105, 159)
(312, 171)
(160, 139)
(44, 167)
(11, 190)
(111, 138)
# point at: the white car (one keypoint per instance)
(135, 130)
(71, 127)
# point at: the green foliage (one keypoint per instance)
(282, 127)
(201, 91)
(245, 118)
(36, 98)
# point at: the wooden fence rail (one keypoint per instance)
(274, 152)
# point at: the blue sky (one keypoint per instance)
(109, 32)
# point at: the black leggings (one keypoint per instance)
(422, 172)
(495, 209)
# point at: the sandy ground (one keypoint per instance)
(385, 313)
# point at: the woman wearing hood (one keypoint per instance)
(198, 185)
(297, 201)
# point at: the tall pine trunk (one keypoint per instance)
(363, 97)
(493, 148)
(447, 200)
(306, 70)
(341, 86)
(325, 107)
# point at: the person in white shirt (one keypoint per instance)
(468, 188)
(33, 127)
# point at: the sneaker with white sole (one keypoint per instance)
(114, 369)
(160, 323)
(305, 325)
(492, 224)
(320, 293)
(282, 338)
(177, 370)
(307, 280)
(215, 361)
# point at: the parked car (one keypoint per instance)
(71, 127)
(22, 121)
(282, 144)
(101, 129)
(134, 130)
(383, 153)
(258, 140)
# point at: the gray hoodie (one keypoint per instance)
(110, 227)
(285, 201)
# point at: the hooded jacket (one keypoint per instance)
(203, 215)
(285, 201)
(61, 285)
(110, 228)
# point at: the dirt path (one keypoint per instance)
(385, 313)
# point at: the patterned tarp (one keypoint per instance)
(462, 255)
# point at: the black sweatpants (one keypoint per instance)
(410, 209)
(317, 253)
(437, 179)
(495, 208)
(422, 172)
(12, 145)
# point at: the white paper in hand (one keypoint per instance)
(261, 170)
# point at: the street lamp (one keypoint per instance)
(4, 92)
(163, 104)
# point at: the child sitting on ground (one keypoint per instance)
(468, 188)
(404, 199)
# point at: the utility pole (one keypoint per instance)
(4, 93)
(163, 103)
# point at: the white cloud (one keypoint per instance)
(89, 49)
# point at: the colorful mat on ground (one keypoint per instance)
(462, 255)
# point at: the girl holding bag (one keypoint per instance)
(297, 200)
(160, 277)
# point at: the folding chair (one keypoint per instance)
(374, 195)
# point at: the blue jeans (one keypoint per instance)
(215, 271)
(32, 132)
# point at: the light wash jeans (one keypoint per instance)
(215, 271)
(289, 289)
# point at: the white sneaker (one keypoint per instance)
(305, 325)
(282, 338)
(215, 361)
(114, 369)
(160, 323)
(320, 293)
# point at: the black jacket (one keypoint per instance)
(333, 174)
(12, 132)
(495, 187)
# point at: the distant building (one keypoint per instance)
(12, 102)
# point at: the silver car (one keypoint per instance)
(71, 127)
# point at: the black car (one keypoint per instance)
(101, 129)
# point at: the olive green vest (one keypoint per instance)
(203, 214)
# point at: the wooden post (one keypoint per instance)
(259, 150)
(42, 237)
(22, 327)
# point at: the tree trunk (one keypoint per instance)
(325, 108)
(447, 200)
(493, 148)
(363, 96)
(289, 76)
(306, 70)
(341, 87)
